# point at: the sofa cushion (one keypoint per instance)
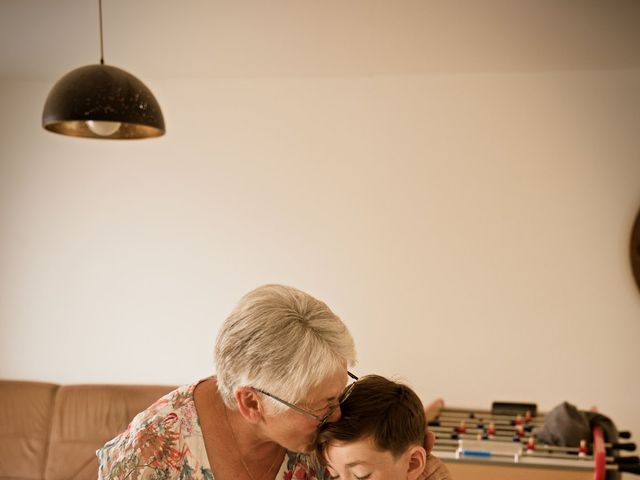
(85, 418)
(25, 420)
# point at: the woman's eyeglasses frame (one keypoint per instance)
(332, 408)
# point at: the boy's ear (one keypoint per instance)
(249, 404)
(417, 462)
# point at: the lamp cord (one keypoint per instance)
(101, 41)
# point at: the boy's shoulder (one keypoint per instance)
(435, 469)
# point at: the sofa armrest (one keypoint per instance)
(26, 410)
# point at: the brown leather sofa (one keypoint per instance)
(51, 432)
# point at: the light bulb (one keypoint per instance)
(103, 128)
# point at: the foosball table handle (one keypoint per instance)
(599, 454)
(635, 460)
(629, 447)
(635, 469)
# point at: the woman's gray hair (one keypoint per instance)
(281, 340)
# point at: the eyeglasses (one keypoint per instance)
(331, 409)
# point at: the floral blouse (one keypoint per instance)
(165, 442)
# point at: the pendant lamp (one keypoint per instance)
(102, 101)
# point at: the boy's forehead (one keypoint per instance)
(361, 451)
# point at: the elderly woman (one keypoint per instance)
(282, 358)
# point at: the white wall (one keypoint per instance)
(471, 230)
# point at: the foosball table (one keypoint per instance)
(500, 444)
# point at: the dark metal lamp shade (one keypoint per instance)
(101, 101)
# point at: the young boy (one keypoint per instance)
(380, 435)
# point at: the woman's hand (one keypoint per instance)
(434, 468)
(432, 410)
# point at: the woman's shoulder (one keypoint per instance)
(162, 430)
(176, 406)
(172, 407)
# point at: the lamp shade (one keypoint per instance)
(102, 101)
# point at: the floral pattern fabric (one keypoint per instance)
(165, 442)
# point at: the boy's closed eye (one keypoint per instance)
(357, 477)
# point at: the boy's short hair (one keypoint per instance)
(390, 413)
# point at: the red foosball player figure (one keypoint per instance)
(531, 445)
(582, 449)
(518, 420)
(491, 431)
(462, 427)
(520, 431)
(528, 416)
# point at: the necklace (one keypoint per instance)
(235, 441)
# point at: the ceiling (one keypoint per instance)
(162, 39)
